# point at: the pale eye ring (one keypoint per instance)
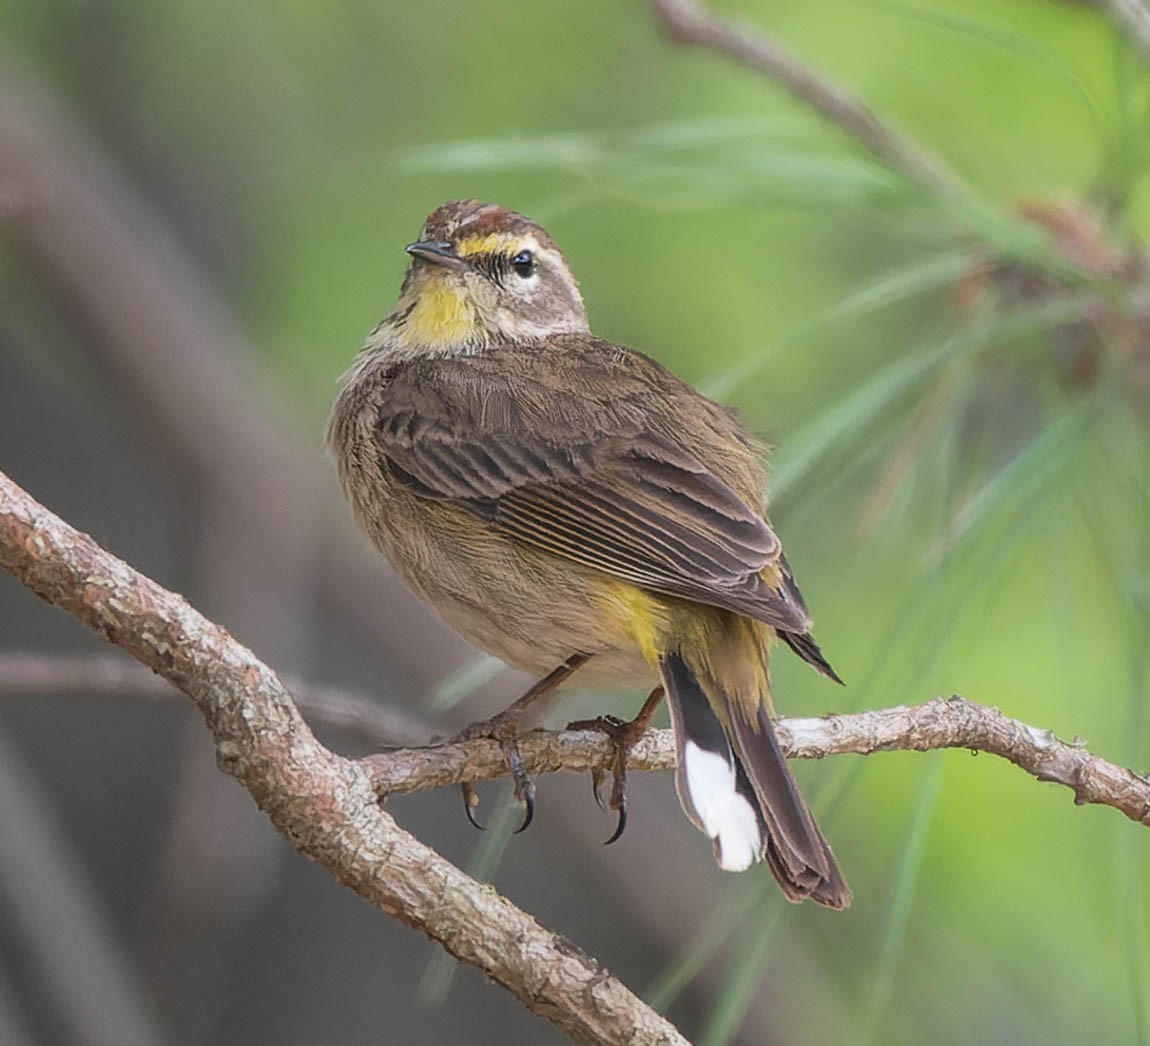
(524, 264)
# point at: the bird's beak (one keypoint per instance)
(438, 253)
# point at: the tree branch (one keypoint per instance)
(324, 804)
(687, 22)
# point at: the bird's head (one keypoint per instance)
(481, 274)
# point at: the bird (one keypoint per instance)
(572, 507)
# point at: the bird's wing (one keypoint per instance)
(614, 495)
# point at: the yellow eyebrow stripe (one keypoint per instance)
(494, 243)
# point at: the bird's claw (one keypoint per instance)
(524, 786)
(526, 794)
(622, 825)
(624, 735)
(618, 800)
(623, 739)
(502, 728)
(470, 802)
(597, 777)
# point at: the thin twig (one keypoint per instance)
(1133, 17)
(357, 717)
(941, 723)
(324, 804)
(688, 22)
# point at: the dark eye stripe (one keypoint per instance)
(494, 266)
(497, 267)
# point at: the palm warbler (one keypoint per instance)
(562, 501)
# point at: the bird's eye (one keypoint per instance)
(524, 264)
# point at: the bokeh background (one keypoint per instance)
(202, 211)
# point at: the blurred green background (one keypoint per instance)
(962, 477)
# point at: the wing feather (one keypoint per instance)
(595, 481)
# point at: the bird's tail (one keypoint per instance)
(735, 785)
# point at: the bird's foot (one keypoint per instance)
(624, 735)
(504, 728)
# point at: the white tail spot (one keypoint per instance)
(726, 816)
